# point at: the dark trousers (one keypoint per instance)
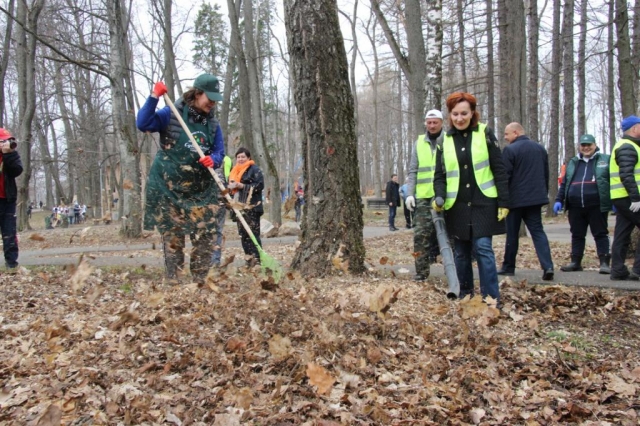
(626, 220)
(173, 244)
(392, 216)
(253, 220)
(8, 229)
(532, 217)
(588, 217)
(407, 214)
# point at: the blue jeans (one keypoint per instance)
(532, 217)
(483, 252)
(217, 244)
(392, 216)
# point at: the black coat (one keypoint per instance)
(626, 156)
(392, 193)
(527, 166)
(252, 178)
(473, 214)
(11, 168)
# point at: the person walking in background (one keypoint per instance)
(624, 172)
(527, 166)
(181, 195)
(584, 192)
(420, 192)
(472, 187)
(246, 183)
(223, 173)
(403, 195)
(392, 197)
(10, 169)
(299, 203)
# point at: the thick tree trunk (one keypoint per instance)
(611, 94)
(124, 123)
(4, 60)
(568, 115)
(491, 85)
(532, 85)
(554, 114)
(433, 80)
(25, 67)
(333, 213)
(581, 71)
(625, 69)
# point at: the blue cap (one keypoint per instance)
(629, 122)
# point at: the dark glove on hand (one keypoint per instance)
(206, 161)
(159, 89)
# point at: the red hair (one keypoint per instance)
(459, 97)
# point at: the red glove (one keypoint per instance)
(159, 89)
(206, 161)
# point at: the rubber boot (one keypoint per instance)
(605, 263)
(575, 265)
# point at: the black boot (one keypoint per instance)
(605, 263)
(575, 265)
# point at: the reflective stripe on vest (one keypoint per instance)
(426, 168)
(481, 169)
(617, 187)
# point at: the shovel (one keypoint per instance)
(269, 265)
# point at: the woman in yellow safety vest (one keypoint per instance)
(471, 186)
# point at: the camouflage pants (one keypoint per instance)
(173, 245)
(425, 244)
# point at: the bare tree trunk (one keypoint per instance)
(491, 89)
(625, 69)
(532, 86)
(582, 43)
(461, 55)
(4, 61)
(333, 223)
(635, 46)
(260, 144)
(124, 121)
(554, 114)
(28, 14)
(226, 95)
(568, 82)
(611, 94)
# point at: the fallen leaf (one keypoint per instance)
(320, 377)
(279, 347)
(36, 237)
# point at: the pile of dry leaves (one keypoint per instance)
(91, 346)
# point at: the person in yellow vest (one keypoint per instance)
(420, 192)
(624, 173)
(223, 174)
(472, 187)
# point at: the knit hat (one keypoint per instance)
(433, 113)
(629, 122)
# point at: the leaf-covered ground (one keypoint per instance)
(115, 346)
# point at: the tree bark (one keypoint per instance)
(532, 85)
(554, 113)
(581, 69)
(4, 61)
(626, 76)
(611, 94)
(124, 122)
(491, 89)
(462, 84)
(568, 115)
(333, 226)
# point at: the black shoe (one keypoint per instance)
(408, 226)
(419, 278)
(574, 265)
(631, 276)
(393, 229)
(605, 264)
(548, 275)
(503, 271)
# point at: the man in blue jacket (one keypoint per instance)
(584, 192)
(10, 169)
(527, 166)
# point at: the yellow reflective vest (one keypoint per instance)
(617, 187)
(228, 163)
(426, 168)
(481, 166)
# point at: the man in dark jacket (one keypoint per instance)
(527, 166)
(392, 197)
(584, 192)
(624, 179)
(10, 168)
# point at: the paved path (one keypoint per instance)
(117, 255)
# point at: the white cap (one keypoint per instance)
(434, 113)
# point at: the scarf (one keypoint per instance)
(237, 172)
(198, 118)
